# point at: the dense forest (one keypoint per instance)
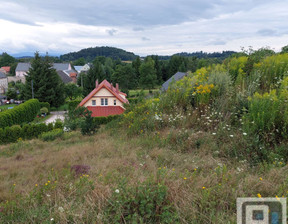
(90, 53)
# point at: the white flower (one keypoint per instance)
(61, 209)
(117, 191)
(213, 133)
(52, 219)
(231, 136)
(48, 195)
(244, 133)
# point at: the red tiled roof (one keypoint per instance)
(110, 88)
(6, 68)
(98, 111)
(73, 74)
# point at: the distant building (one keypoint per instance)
(177, 76)
(5, 69)
(83, 68)
(64, 70)
(105, 100)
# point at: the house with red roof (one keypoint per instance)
(105, 100)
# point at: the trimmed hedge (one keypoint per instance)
(105, 120)
(25, 112)
(28, 131)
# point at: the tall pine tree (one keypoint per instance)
(148, 76)
(47, 85)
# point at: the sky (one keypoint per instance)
(144, 27)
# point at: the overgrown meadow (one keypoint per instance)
(183, 156)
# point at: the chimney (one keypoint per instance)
(117, 87)
(96, 83)
(111, 85)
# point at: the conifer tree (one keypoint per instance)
(148, 76)
(47, 85)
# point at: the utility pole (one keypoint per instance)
(32, 89)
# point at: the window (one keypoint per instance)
(93, 102)
(104, 101)
(114, 102)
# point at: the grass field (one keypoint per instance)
(79, 179)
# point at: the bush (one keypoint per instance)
(52, 135)
(45, 104)
(73, 104)
(58, 125)
(44, 110)
(25, 112)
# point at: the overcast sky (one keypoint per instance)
(144, 27)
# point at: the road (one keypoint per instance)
(56, 115)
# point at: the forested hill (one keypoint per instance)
(89, 54)
(200, 54)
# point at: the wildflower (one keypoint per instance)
(185, 178)
(260, 178)
(231, 136)
(259, 195)
(195, 169)
(48, 195)
(52, 219)
(14, 184)
(277, 197)
(173, 169)
(203, 188)
(48, 181)
(36, 185)
(117, 191)
(244, 133)
(61, 209)
(46, 184)
(213, 133)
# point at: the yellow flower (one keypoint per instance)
(185, 178)
(195, 169)
(48, 181)
(203, 188)
(260, 178)
(14, 184)
(259, 195)
(36, 185)
(46, 184)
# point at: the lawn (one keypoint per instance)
(6, 106)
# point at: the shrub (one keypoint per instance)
(264, 117)
(44, 110)
(52, 135)
(58, 125)
(73, 104)
(45, 104)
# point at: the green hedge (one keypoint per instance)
(27, 131)
(25, 112)
(105, 120)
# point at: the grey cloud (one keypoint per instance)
(217, 42)
(138, 29)
(141, 13)
(111, 32)
(267, 32)
(145, 39)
